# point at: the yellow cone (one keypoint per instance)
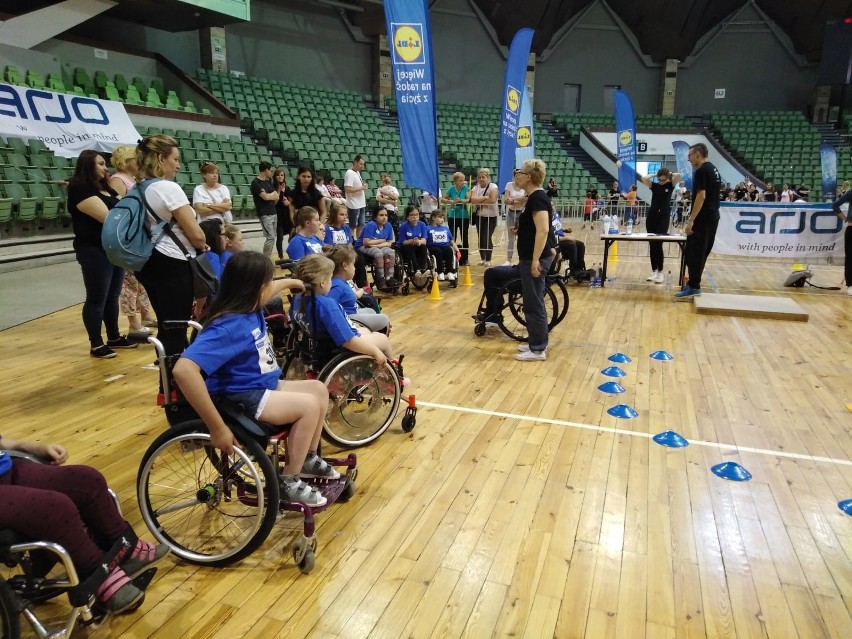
(435, 293)
(613, 252)
(466, 281)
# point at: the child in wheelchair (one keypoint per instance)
(376, 243)
(573, 251)
(71, 506)
(332, 321)
(412, 244)
(234, 354)
(442, 246)
(344, 291)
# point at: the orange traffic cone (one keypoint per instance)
(467, 281)
(435, 293)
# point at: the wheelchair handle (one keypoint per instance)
(288, 264)
(172, 324)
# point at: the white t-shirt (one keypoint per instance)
(486, 210)
(388, 191)
(359, 199)
(164, 197)
(512, 192)
(216, 195)
(679, 191)
(322, 188)
(430, 202)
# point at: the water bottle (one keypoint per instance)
(613, 224)
(669, 281)
(604, 224)
(630, 226)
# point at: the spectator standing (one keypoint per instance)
(484, 197)
(210, 199)
(306, 193)
(356, 200)
(283, 212)
(265, 197)
(458, 218)
(515, 198)
(429, 204)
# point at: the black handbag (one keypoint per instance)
(204, 280)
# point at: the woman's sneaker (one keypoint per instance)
(294, 489)
(143, 556)
(102, 352)
(316, 466)
(121, 342)
(118, 594)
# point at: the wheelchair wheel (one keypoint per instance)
(10, 622)
(363, 399)
(208, 509)
(294, 367)
(514, 324)
(562, 297)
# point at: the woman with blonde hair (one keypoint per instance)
(124, 162)
(167, 275)
(484, 195)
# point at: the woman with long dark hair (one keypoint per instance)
(89, 200)
(282, 208)
(306, 193)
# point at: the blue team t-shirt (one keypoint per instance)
(226, 255)
(216, 263)
(438, 235)
(556, 223)
(5, 462)
(300, 246)
(332, 319)
(373, 232)
(408, 232)
(235, 354)
(334, 236)
(344, 295)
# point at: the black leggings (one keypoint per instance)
(459, 226)
(443, 258)
(168, 281)
(657, 222)
(282, 230)
(485, 229)
(416, 255)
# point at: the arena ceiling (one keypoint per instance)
(663, 28)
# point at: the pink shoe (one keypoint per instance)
(406, 382)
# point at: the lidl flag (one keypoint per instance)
(524, 140)
(409, 37)
(513, 91)
(828, 160)
(625, 127)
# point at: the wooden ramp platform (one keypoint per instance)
(750, 306)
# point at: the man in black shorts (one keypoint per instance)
(703, 221)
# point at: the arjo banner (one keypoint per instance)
(410, 41)
(513, 91)
(625, 140)
(67, 124)
(776, 229)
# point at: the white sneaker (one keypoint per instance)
(531, 356)
(451, 277)
(659, 277)
(507, 263)
(486, 263)
(849, 290)
(523, 347)
(652, 277)
(482, 262)
(441, 277)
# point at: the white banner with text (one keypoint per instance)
(67, 124)
(774, 229)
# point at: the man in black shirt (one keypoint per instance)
(265, 197)
(703, 219)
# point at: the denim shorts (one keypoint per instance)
(357, 217)
(254, 400)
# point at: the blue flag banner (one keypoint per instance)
(681, 152)
(828, 159)
(625, 140)
(410, 42)
(513, 91)
(525, 139)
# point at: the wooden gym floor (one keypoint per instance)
(518, 506)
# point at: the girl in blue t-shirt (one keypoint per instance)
(357, 303)
(318, 271)
(338, 232)
(439, 241)
(377, 242)
(234, 353)
(412, 240)
(305, 242)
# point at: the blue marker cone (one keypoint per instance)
(845, 506)
(661, 355)
(670, 439)
(613, 371)
(622, 411)
(613, 388)
(732, 471)
(619, 358)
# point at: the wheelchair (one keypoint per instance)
(364, 398)
(422, 282)
(30, 579)
(213, 509)
(510, 318)
(398, 272)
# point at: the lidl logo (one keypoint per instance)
(625, 138)
(524, 136)
(408, 44)
(513, 99)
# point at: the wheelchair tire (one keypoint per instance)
(514, 325)
(205, 515)
(363, 399)
(10, 621)
(563, 299)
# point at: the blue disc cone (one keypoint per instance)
(619, 358)
(732, 471)
(661, 355)
(613, 388)
(613, 371)
(845, 506)
(622, 411)
(670, 439)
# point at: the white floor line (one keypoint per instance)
(622, 431)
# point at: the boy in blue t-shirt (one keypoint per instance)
(412, 241)
(305, 242)
(440, 242)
